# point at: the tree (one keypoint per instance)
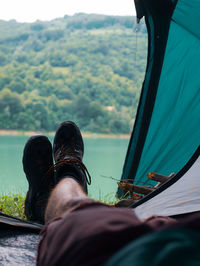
(3, 59)
(17, 85)
(54, 73)
(11, 100)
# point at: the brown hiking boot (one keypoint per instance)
(68, 149)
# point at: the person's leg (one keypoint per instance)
(68, 174)
(66, 195)
(37, 159)
(73, 221)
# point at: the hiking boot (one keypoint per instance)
(37, 160)
(68, 149)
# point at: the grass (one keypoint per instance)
(13, 205)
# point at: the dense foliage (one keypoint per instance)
(85, 68)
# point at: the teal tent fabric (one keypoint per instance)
(169, 247)
(168, 128)
(174, 132)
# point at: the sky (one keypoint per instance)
(32, 10)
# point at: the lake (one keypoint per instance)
(103, 157)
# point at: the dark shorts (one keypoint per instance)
(91, 233)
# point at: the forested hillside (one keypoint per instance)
(85, 68)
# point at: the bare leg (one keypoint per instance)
(67, 194)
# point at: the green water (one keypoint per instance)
(102, 157)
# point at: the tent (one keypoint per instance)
(18, 241)
(166, 133)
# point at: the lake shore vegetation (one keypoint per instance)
(4, 132)
(13, 205)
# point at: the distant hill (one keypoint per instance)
(86, 68)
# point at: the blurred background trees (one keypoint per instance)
(84, 68)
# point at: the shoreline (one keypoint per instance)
(4, 132)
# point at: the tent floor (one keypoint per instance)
(18, 241)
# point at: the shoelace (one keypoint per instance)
(70, 151)
(71, 162)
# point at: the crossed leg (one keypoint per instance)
(67, 195)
